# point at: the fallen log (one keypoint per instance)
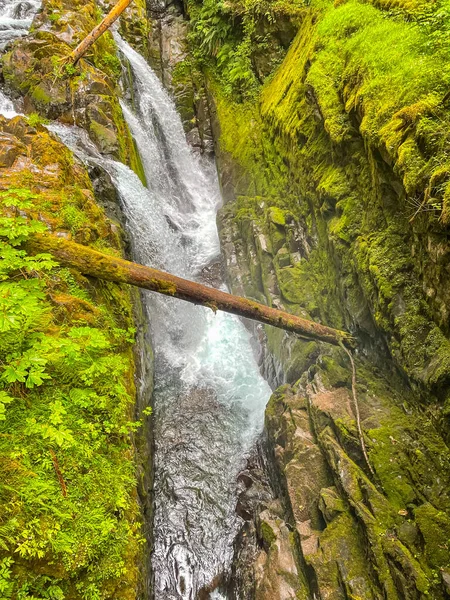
(98, 31)
(110, 268)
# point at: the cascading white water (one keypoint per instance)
(210, 396)
(16, 17)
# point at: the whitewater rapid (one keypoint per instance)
(210, 397)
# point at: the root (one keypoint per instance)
(356, 409)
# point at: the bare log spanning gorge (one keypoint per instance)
(98, 31)
(110, 268)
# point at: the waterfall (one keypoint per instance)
(209, 396)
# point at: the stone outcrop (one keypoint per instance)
(317, 225)
(87, 95)
(169, 57)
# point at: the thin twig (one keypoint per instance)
(356, 405)
(58, 473)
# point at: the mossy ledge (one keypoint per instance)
(334, 171)
(86, 95)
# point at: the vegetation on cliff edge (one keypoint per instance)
(70, 523)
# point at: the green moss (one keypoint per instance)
(70, 517)
(40, 96)
(136, 163)
(339, 545)
(73, 217)
(277, 216)
(370, 234)
(336, 375)
(267, 535)
(164, 287)
(275, 406)
(104, 137)
(434, 526)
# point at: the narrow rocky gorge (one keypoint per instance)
(334, 175)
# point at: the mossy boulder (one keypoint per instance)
(86, 95)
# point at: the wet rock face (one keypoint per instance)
(34, 151)
(355, 535)
(265, 565)
(168, 56)
(30, 70)
(358, 537)
(86, 95)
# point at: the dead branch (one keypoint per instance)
(110, 268)
(98, 31)
(58, 473)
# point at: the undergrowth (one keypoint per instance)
(69, 526)
(235, 39)
(381, 67)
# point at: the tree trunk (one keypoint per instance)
(99, 265)
(98, 31)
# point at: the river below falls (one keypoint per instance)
(209, 397)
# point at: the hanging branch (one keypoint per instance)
(98, 31)
(99, 265)
(357, 413)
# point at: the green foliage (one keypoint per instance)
(66, 400)
(110, 63)
(225, 38)
(73, 217)
(210, 27)
(6, 585)
(70, 69)
(217, 43)
(34, 120)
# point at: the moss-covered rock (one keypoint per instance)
(71, 519)
(314, 444)
(86, 95)
(322, 165)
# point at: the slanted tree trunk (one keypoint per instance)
(98, 31)
(99, 265)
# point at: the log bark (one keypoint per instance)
(110, 268)
(98, 31)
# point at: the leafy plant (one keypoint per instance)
(66, 402)
(34, 120)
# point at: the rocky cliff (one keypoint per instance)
(331, 136)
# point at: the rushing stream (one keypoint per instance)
(209, 397)
(16, 17)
